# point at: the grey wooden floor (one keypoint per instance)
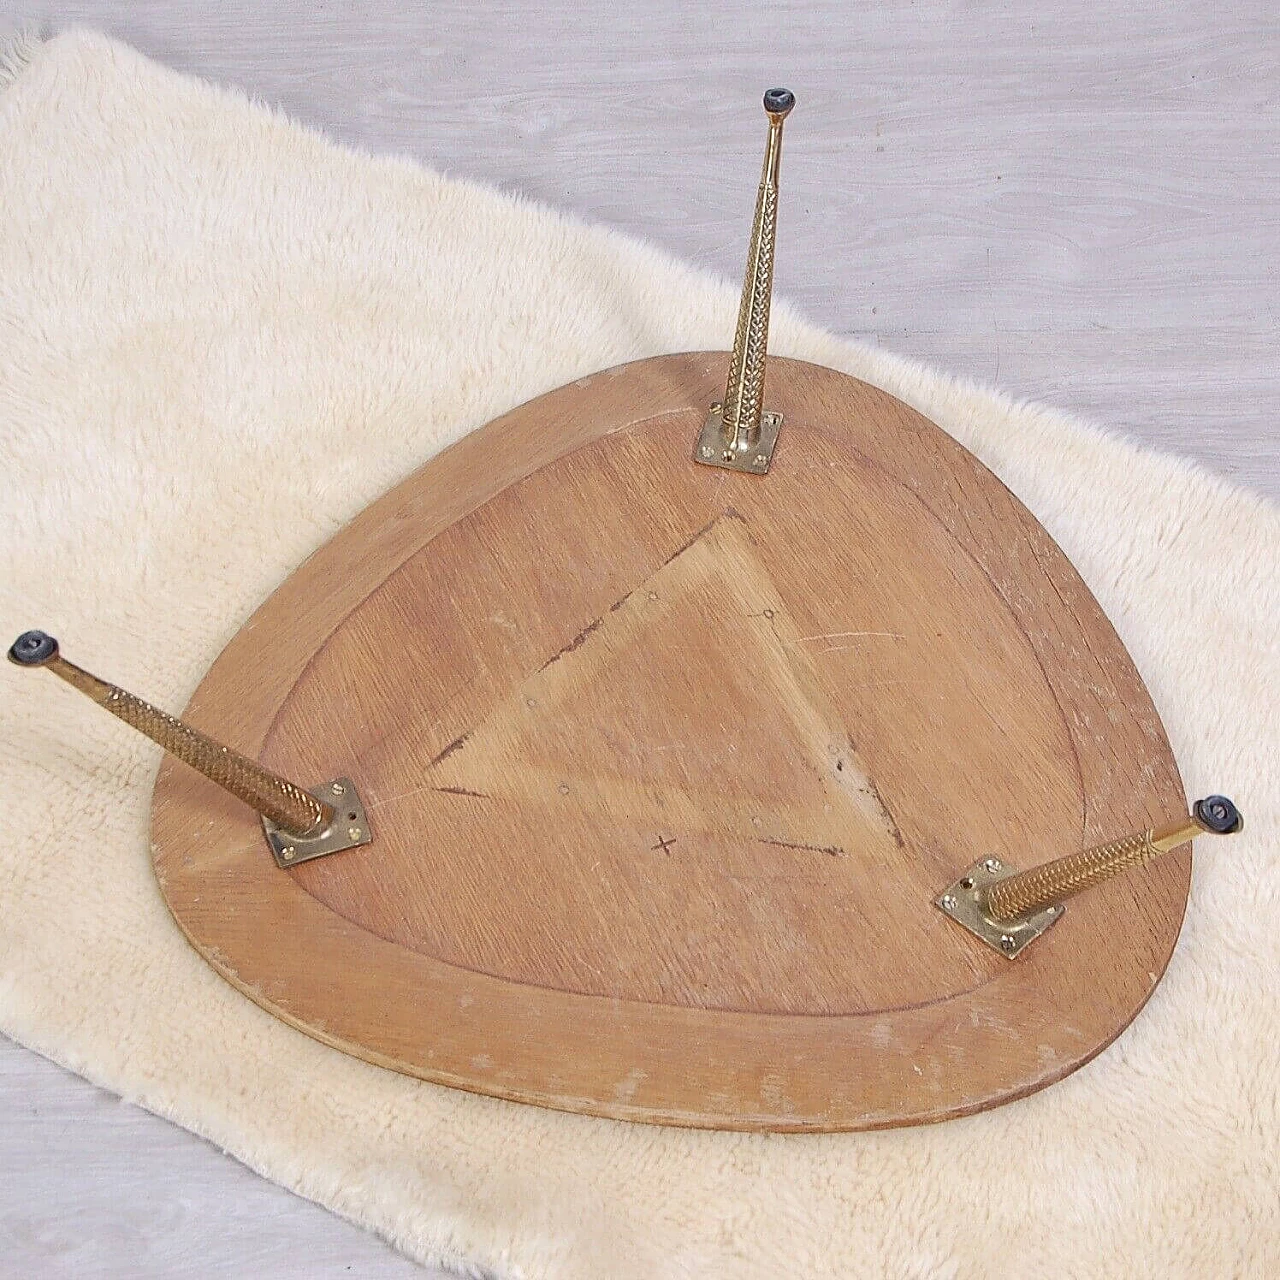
(1075, 201)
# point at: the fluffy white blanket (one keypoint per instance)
(222, 337)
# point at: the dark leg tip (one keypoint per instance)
(777, 102)
(33, 649)
(1218, 814)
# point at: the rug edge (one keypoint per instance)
(18, 51)
(910, 378)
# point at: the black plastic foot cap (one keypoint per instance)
(777, 102)
(33, 649)
(1218, 814)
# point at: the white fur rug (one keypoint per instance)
(196, 294)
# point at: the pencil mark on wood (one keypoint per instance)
(455, 745)
(831, 850)
(576, 643)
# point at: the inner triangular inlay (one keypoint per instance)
(616, 721)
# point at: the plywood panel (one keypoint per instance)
(665, 766)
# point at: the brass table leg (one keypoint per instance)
(298, 823)
(1009, 909)
(738, 434)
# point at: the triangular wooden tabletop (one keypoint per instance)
(665, 766)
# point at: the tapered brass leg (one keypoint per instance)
(1029, 891)
(739, 434)
(295, 819)
(1009, 909)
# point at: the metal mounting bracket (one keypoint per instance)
(715, 448)
(963, 902)
(348, 829)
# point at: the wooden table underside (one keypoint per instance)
(665, 764)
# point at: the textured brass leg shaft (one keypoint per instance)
(1030, 891)
(744, 392)
(276, 798)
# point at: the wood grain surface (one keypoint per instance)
(1075, 203)
(666, 765)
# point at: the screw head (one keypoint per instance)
(338, 789)
(761, 459)
(948, 902)
(992, 864)
(1219, 815)
(717, 407)
(288, 852)
(353, 833)
(707, 451)
(1007, 942)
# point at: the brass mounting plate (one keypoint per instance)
(713, 450)
(348, 829)
(962, 901)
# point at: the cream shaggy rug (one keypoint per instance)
(197, 294)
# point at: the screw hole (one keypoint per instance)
(967, 882)
(351, 817)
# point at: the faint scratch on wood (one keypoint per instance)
(407, 795)
(849, 635)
